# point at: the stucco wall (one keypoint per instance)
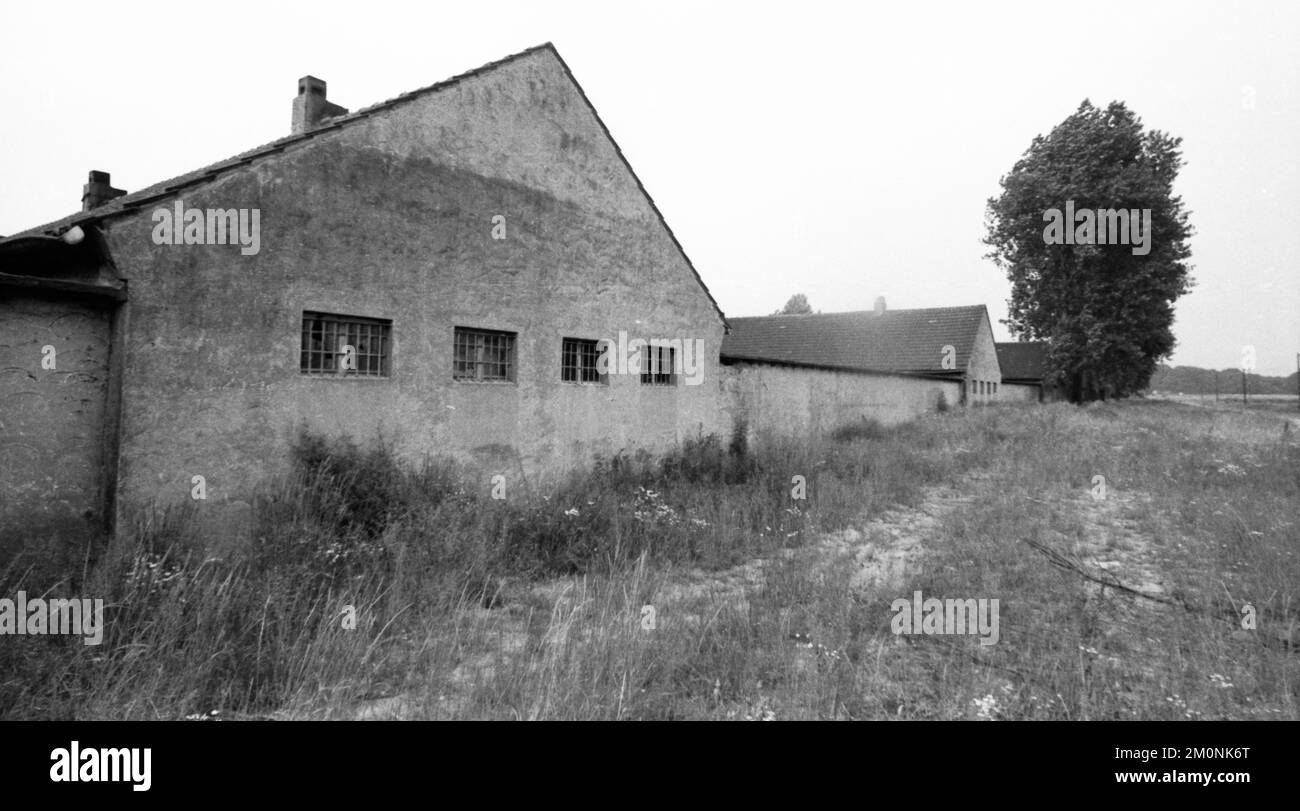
(1015, 393)
(800, 401)
(392, 218)
(983, 366)
(52, 420)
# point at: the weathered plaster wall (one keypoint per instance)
(52, 420)
(798, 401)
(983, 366)
(392, 218)
(1015, 393)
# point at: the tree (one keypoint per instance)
(797, 305)
(1104, 306)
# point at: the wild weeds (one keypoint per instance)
(370, 587)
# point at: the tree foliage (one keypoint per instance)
(1105, 311)
(797, 305)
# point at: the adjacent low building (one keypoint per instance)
(811, 373)
(1022, 366)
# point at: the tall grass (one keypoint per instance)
(1206, 523)
(407, 553)
(696, 585)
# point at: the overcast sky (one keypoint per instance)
(843, 151)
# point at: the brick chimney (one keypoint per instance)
(310, 107)
(98, 191)
(880, 305)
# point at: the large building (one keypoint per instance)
(435, 269)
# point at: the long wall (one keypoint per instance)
(804, 401)
(1018, 393)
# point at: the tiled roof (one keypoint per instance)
(894, 341)
(160, 191)
(1022, 361)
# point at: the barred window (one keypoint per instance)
(484, 355)
(345, 345)
(578, 361)
(657, 366)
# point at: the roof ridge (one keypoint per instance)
(860, 312)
